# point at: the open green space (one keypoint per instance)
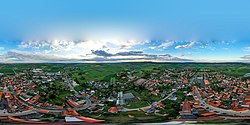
(106, 72)
(56, 92)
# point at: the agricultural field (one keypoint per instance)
(158, 98)
(105, 72)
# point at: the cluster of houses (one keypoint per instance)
(20, 96)
(233, 94)
(230, 93)
(11, 103)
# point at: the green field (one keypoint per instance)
(106, 72)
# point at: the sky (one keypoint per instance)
(90, 31)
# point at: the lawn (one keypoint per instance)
(136, 104)
(145, 98)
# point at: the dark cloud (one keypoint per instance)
(100, 56)
(106, 54)
(132, 55)
(101, 53)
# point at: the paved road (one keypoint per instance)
(193, 78)
(88, 101)
(220, 110)
(168, 96)
(27, 112)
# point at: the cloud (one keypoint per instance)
(101, 53)
(80, 45)
(102, 50)
(166, 44)
(132, 56)
(152, 58)
(189, 45)
(15, 56)
(163, 45)
(152, 47)
(53, 45)
(246, 57)
(187, 54)
(247, 49)
(129, 53)
(106, 54)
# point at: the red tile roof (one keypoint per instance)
(74, 112)
(186, 108)
(113, 110)
(43, 111)
(206, 82)
(185, 81)
(1, 93)
(25, 121)
(7, 94)
(65, 113)
(160, 104)
(72, 103)
(240, 109)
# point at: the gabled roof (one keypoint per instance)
(113, 110)
(186, 108)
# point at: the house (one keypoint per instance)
(25, 97)
(186, 112)
(7, 95)
(113, 110)
(65, 113)
(72, 103)
(206, 82)
(160, 104)
(148, 109)
(34, 99)
(43, 111)
(74, 84)
(185, 81)
(240, 91)
(235, 89)
(186, 108)
(246, 103)
(140, 81)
